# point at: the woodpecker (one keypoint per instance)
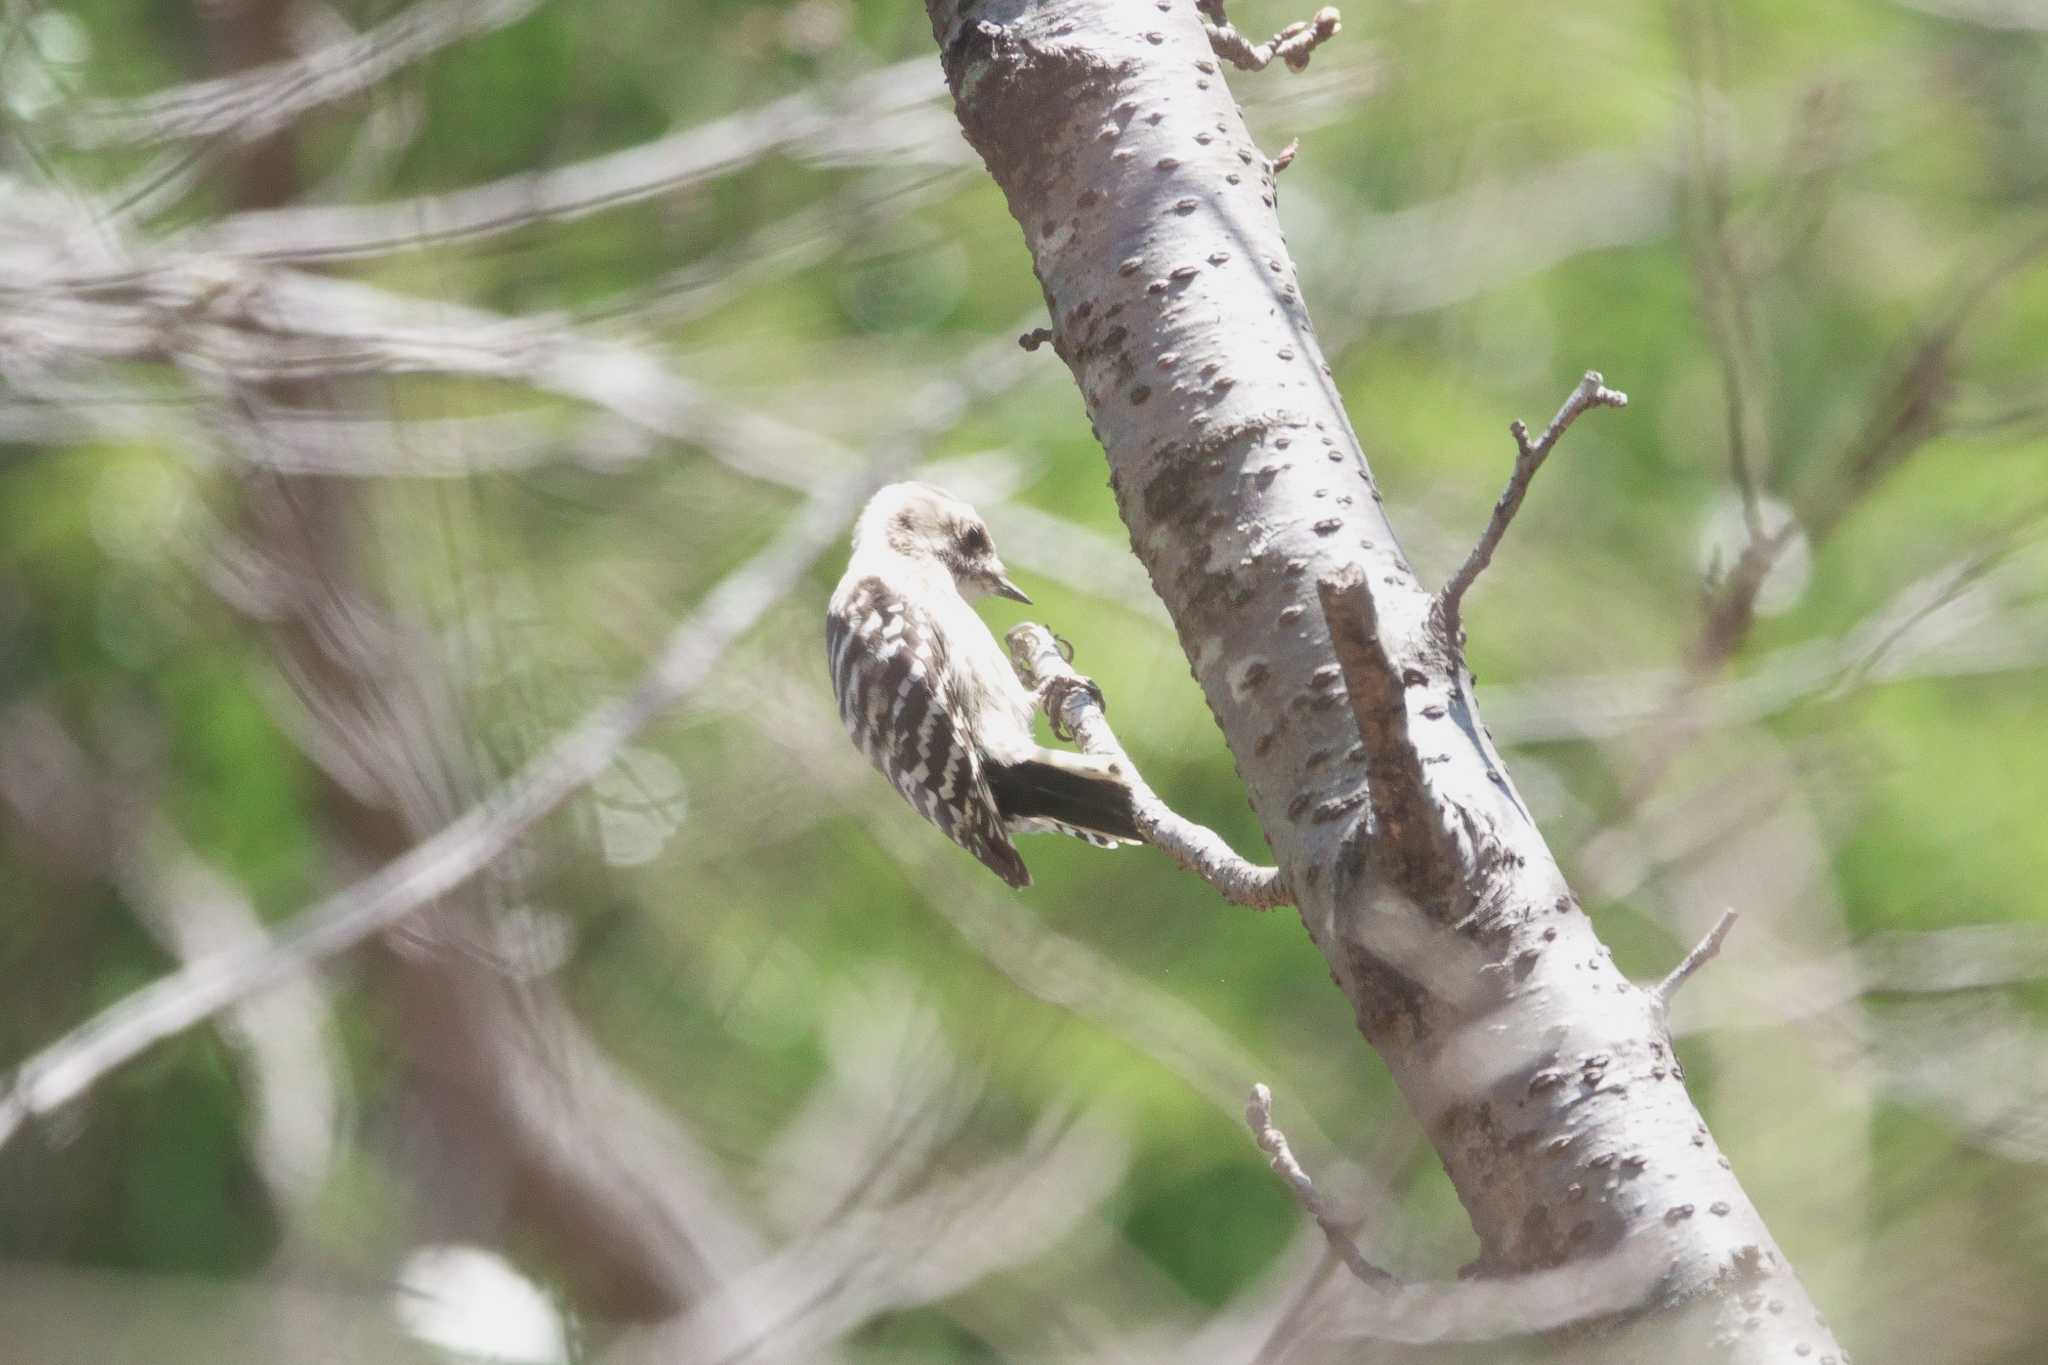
(928, 696)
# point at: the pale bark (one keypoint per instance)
(1545, 1079)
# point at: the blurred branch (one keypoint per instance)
(1258, 1116)
(257, 325)
(1967, 958)
(1592, 392)
(1910, 637)
(1980, 1064)
(254, 326)
(1724, 283)
(875, 118)
(98, 405)
(2013, 16)
(1581, 1292)
(60, 1313)
(91, 403)
(1438, 252)
(777, 249)
(915, 1252)
(1916, 404)
(1074, 709)
(628, 381)
(1907, 411)
(459, 851)
(650, 1215)
(101, 829)
(1932, 962)
(859, 121)
(312, 443)
(893, 1095)
(253, 104)
(1430, 255)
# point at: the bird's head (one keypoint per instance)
(923, 522)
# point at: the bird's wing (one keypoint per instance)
(897, 697)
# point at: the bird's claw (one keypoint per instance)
(1057, 693)
(1066, 649)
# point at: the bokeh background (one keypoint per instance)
(383, 388)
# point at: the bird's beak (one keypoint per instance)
(1006, 588)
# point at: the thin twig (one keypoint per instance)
(208, 985)
(1592, 392)
(1258, 1116)
(1293, 44)
(1699, 957)
(1074, 709)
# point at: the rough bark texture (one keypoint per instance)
(1545, 1079)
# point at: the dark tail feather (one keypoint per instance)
(1065, 788)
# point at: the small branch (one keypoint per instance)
(1292, 44)
(1035, 338)
(1075, 708)
(1592, 392)
(1286, 156)
(1258, 1116)
(1699, 957)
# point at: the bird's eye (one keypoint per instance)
(975, 540)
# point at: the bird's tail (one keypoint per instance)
(1075, 794)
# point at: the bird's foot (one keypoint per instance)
(1055, 694)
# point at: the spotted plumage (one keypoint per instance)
(927, 695)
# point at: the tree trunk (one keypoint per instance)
(1545, 1079)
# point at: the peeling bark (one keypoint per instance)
(1545, 1079)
